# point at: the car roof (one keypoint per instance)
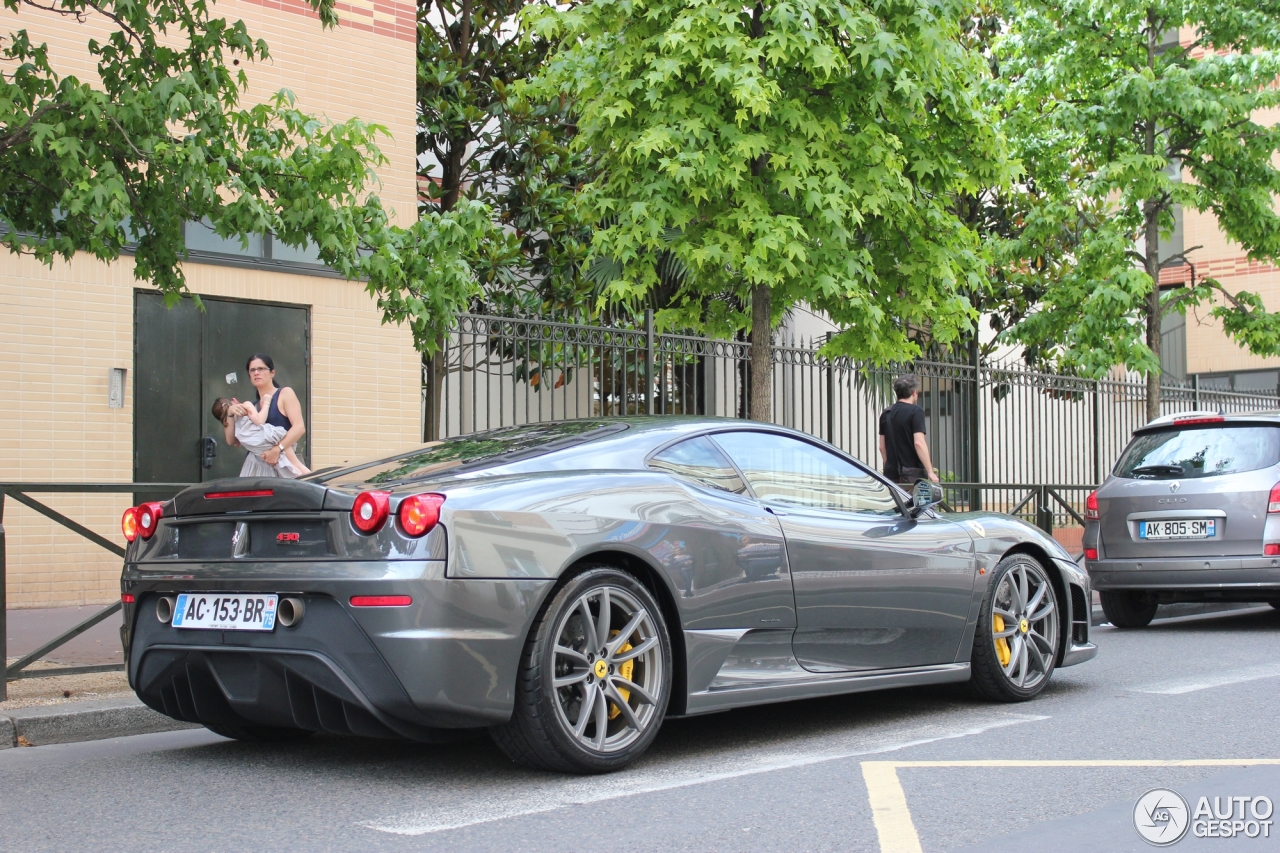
(1206, 417)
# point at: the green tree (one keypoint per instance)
(1109, 110)
(802, 151)
(477, 141)
(161, 139)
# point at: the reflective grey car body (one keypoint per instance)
(763, 602)
(1231, 564)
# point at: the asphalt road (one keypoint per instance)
(801, 776)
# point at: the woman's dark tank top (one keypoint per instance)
(275, 417)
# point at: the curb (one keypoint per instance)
(1174, 611)
(73, 722)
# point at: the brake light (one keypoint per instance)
(1190, 421)
(370, 511)
(1091, 507)
(419, 513)
(248, 493)
(126, 598)
(149, 515)
(129, 524)
(1273, 502)
(381, 600)
(1271, 550)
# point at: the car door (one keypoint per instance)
(874, 588)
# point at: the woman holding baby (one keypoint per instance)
(277, 409)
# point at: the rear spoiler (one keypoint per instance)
(263, 494)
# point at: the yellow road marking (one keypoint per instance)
(892, 817)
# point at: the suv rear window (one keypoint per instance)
(469, 452)
(1181, 454)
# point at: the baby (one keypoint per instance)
(257, 436)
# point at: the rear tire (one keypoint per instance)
(259, 734)
(1129, 608)
(594, 679)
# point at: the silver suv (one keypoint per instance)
(1191, 512)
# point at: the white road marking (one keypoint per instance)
(488, 801)
(1177, 686)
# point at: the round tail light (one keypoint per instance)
(370, 511)
(419, 513)
(149, 515)
(129, 524)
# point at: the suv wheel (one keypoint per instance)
(1129, 608)
(594, 680)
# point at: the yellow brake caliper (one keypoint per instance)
(625, 671)
(1002, 645)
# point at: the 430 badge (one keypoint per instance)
(213, 611)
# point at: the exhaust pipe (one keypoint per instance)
(290, 611)
(164, 608)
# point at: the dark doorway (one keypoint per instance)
(184, 358)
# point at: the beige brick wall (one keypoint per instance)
(1209, 349)
(62, 328)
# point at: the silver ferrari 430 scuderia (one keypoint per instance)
(569, 585)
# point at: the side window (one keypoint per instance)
(785, 470)
(699, 460)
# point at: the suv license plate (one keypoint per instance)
(214, 611)
(1190, 528)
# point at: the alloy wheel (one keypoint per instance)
(607, 669)
(1024, 625)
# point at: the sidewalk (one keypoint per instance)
(71, 708)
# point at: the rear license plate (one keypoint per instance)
(215, 611)
(1189, 528)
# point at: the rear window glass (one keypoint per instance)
(480, 450)
(1180, 454)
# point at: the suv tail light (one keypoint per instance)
(370, 510)
(1273, 502)
(129, 524)
(148, 516)
(419, 513)
(1091, 507)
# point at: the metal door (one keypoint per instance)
(184, 359)
(166, 393)
(234, 331)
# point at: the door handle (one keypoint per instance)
(208, 450)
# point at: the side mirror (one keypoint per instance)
(924, 495)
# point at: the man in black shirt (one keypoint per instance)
(902, 444)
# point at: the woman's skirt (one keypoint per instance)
(254, 467)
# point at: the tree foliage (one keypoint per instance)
(799, 151)
(161, 139)
(480, 142)
(1110, 105)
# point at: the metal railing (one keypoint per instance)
(987, 423)
(21, 492)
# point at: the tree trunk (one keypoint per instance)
(761, 394)
(1151, 216)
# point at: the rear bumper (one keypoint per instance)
(448, 661)
(1205, 577)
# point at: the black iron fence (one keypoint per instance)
(987, 423)
(22, 493)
